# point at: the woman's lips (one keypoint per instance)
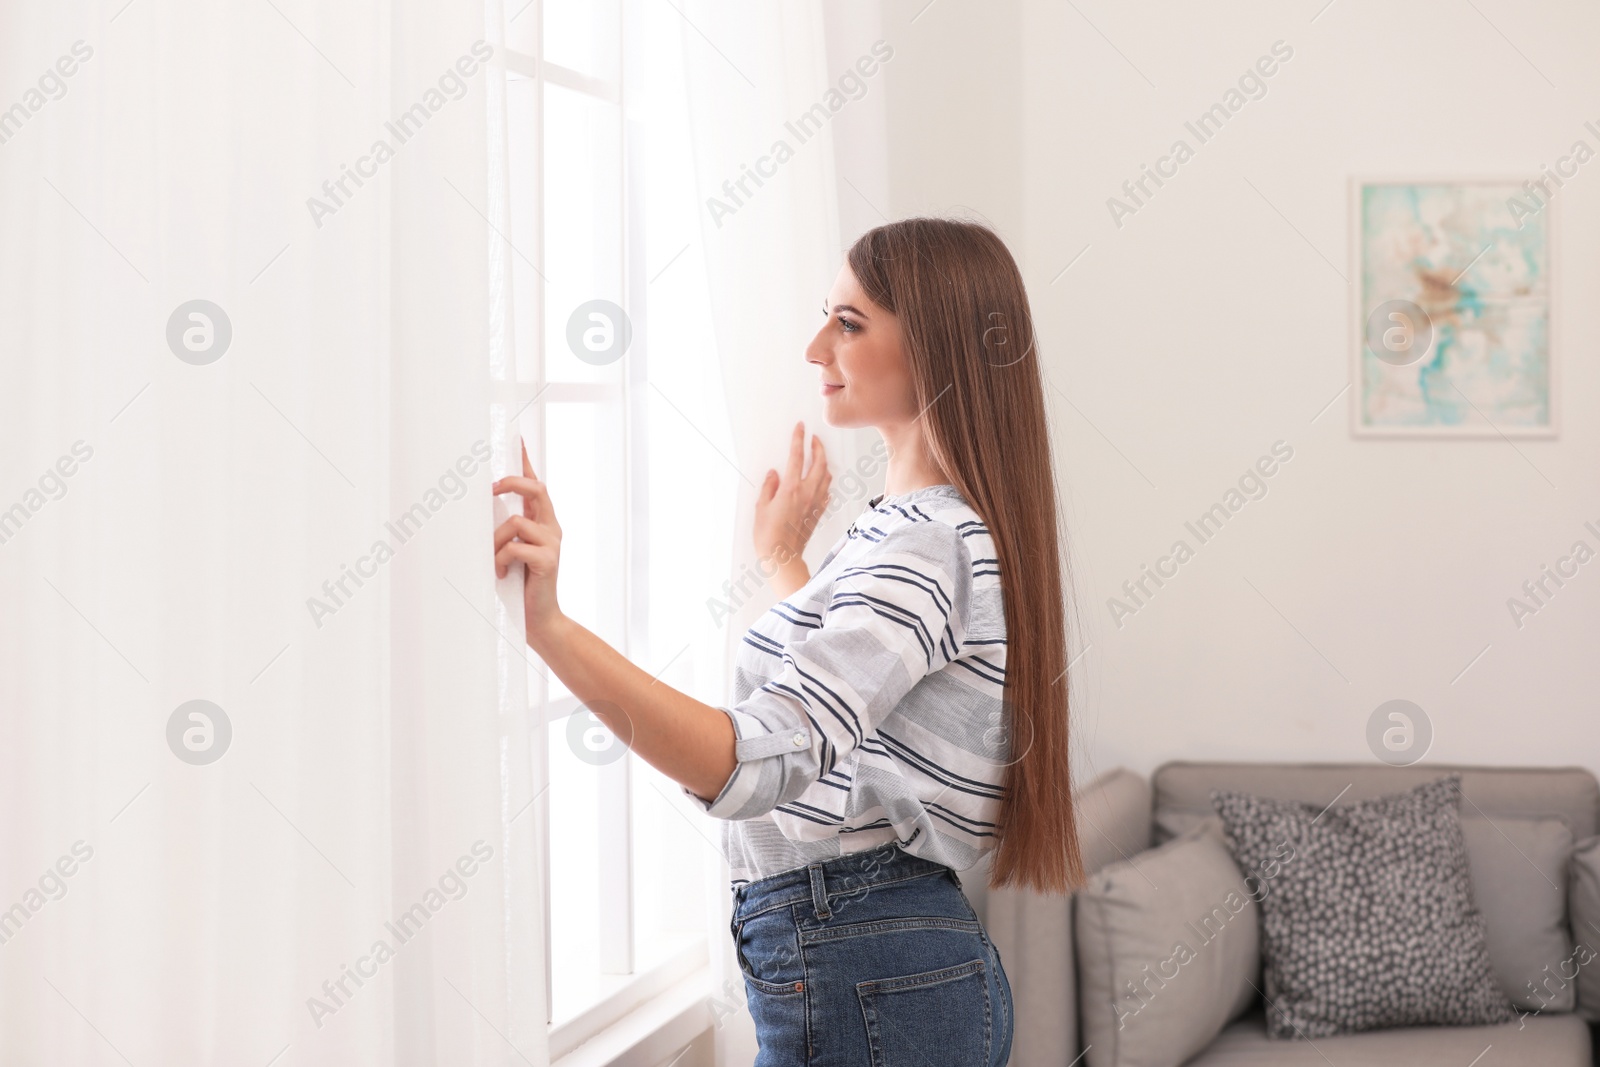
(828, 388)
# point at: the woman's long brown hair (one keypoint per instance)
(969, 341)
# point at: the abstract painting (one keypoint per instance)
(1452, 308)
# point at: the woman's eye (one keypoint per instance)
(849, 327)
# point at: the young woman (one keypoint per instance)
(900, 713)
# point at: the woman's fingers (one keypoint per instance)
(536, 502)
(522, 528)
(532, 538)
(815, 486)
(535, 496)
(532, 491)
(796, 454)
(535, 557)
(516, 483)
(819, 462)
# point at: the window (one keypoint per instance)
(591, 214)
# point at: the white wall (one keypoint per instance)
(1214, 323)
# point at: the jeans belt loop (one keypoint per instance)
(819, 892)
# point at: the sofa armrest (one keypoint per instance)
(1033, 931)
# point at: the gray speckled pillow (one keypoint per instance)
(1367, 916)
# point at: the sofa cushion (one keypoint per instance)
(1542, 1040)
(1033, 930)
(1583, 898)
(1183, 789)
(1368, 919)
(1168, 952)
(1519, 884)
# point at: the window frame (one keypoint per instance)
(627, 396)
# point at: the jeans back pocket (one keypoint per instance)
(936, 1017)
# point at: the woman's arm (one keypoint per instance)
(689, 742)
(791, 578)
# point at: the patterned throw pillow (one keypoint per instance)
(1367, 916)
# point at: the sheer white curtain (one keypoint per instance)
(771, 246)
(183, 520)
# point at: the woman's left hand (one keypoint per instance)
(534, 540)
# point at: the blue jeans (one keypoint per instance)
(875, 958)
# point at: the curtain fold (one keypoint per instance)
(771, 245)
(279, 508)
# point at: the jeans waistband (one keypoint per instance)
(819, 882)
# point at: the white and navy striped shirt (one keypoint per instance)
(867, 706)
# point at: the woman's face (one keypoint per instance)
(866, 379)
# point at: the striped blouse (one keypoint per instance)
(867, 706)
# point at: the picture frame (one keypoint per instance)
(1499, 342)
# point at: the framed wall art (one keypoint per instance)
(1452, 306)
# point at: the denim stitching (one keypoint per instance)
(868, 885)
(819, 892)
(892, 881)
(953, 973)
(874, 926)
(747, 969)
(1000, 986)
(988, 1020)
(877, 987)
(805, 987)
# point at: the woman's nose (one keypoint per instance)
(817, 352)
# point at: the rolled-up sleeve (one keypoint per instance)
(893, 616)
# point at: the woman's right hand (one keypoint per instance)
(788, 508)
(534, 540)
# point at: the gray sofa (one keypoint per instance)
(1120, 816)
